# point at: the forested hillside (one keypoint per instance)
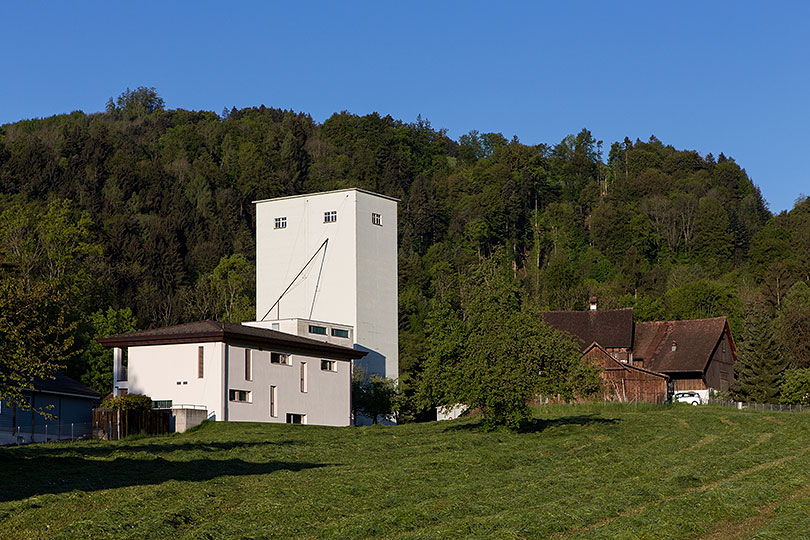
(140, 217)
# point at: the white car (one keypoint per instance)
(692, 398)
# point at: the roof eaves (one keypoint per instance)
(344, 190)
(219, 332)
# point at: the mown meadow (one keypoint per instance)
(584, 471)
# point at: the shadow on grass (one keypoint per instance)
(107, 448)
(540, 424)
(51, 475)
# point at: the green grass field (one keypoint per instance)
(580, 472)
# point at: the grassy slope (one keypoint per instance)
(583, 472)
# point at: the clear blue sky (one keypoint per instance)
(731, 77)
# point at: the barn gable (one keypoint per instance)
(623, 381)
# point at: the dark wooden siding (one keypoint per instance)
(623, 383)
(688, 381)
(720, 371)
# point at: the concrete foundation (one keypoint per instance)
(183, 419)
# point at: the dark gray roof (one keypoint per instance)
(610, 328)
(215, 331)
(62, 384)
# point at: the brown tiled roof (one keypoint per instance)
(214, 331)
(610, 328)
(695, 342)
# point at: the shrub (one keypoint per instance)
(128, 402)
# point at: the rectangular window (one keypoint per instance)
(239, 395)
(162, 404)
(293, 418)
(281, 223)
(273, 401)
(303, 377)
(279, 358)
(376, 219)
(330, 217)
(315, 329)
(329, 365)
(248, 374)
(200, 362)
(339, 332)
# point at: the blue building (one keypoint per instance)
(69, 402)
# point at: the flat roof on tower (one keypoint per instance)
(328, 192)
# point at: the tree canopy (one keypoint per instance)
(149, 208)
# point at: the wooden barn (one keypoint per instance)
(697, 355)
(625, 382)
(647, 360)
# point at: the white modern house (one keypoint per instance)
(326, 296)
(237, 372)
(331, 256)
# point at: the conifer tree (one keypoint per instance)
(760, 364)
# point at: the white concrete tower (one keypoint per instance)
(332, 257)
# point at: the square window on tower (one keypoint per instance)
(330, 216)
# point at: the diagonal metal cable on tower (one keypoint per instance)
(276, 303)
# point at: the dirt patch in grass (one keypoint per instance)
(704, 441)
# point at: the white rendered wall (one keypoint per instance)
(300, 327)
(377, 324)
(327, 401)
(155, 370)
(356, 280)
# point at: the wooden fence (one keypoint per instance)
(113, 424)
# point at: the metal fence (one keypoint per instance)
(740, 405)
(24, 434)
(776, 407)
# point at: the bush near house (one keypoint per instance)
(128, 402)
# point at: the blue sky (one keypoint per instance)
(731, 77)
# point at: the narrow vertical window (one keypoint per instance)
(303, 376)
(376, 219)
(273, 401)
(247, 365)
(200, 362)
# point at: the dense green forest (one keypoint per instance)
(139, 217)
